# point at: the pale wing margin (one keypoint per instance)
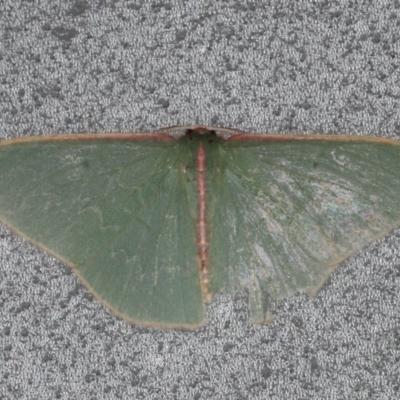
(295, 209)
(118, 212)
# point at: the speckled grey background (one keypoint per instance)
(300, 66)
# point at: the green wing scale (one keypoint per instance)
(285, 212)
(119, 212)
(122, 211)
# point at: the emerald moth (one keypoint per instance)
(155, 223)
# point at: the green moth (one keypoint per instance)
(155, 223)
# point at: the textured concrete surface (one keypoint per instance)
(277, 66)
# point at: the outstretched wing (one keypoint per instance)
(117, 208)
(286, 210)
